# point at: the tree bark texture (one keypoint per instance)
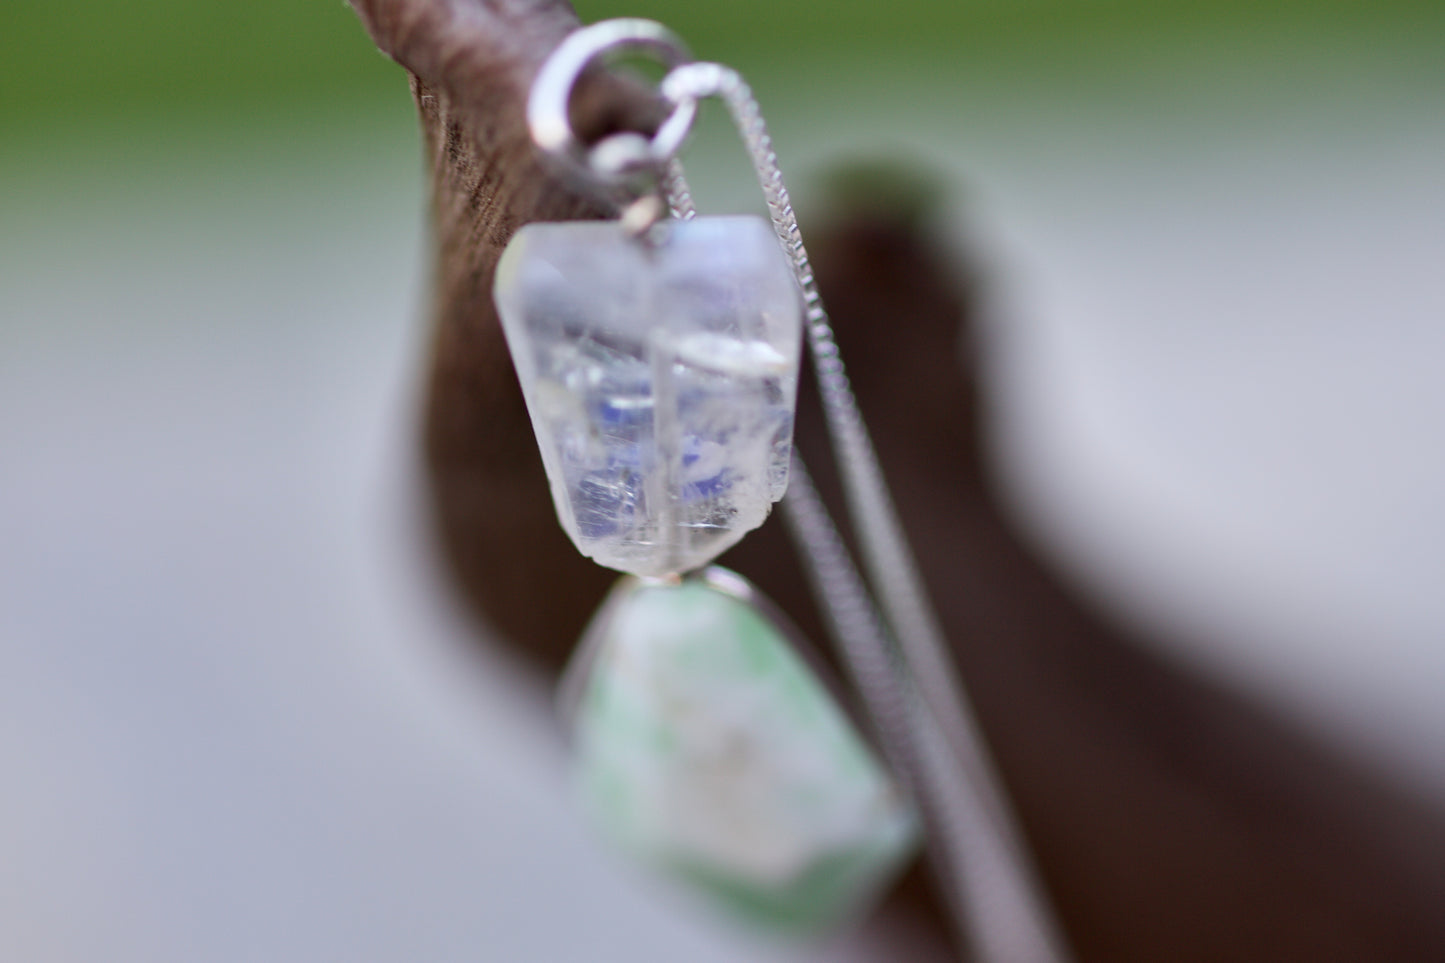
(1172, 820)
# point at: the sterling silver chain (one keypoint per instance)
(896, 653)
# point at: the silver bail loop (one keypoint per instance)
(623, 160)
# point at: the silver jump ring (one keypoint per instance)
(616, 157)
(690, 83)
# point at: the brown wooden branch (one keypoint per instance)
(1173, 820)
(472, 63)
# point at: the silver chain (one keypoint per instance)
(899, 659)
(986, 870)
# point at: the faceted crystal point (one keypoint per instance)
(661, 381)
(706, 746)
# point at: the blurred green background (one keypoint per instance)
(116, 93)
(86, 85)
(71, 62)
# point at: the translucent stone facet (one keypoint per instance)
(661, 381)
(706, 746)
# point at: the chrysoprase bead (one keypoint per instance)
(660, 378)
(705, 745)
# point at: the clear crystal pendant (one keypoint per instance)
(659, 362)
(706, 746)
(661, 378)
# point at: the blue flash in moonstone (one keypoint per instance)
(660, 379)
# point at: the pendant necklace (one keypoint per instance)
(658, 355)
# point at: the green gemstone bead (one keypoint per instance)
(706, 746)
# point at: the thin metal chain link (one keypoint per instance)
(909, 686)
(973, 863)
(868, 655)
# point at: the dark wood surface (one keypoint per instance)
(1172, 819)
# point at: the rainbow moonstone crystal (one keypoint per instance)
(661, 380)
(661, 377)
